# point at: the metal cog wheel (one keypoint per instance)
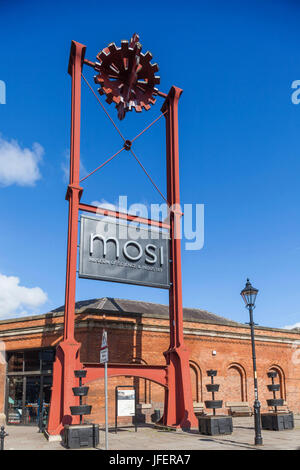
(127, 76)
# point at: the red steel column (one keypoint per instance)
(178, 401)
(67, 354)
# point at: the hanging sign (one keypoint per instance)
(103, 356)
(112, 251)
(104, 348)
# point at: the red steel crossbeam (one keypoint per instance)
(155, 373)
(122, 215)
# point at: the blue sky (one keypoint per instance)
(239, 147)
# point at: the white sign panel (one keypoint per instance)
(104, 340)
(103, 355)
(126, 402)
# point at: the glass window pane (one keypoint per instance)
(32, 400)
(32, 360)
(47, 357)
(15, 362)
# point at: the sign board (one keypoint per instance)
(112, 251)
(103, 355)
(104, 340)
(126, 402)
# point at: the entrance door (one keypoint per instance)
(28, 399)
(45, 400)
(15, 400)
(32, 400)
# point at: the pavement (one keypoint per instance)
(149, 438)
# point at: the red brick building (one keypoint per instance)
(138, 332)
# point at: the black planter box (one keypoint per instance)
(211, 373)
(210, 404)
(81, 435)
(80, 391)
(81, 410)
(273, 387)
(275, 402)
(215, 425)
(80, 373)
(277, 421)
(212, 387)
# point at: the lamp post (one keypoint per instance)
(249, 294)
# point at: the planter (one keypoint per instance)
(274, 387)
(211, 373)
(277, 421)
(215, 425)
(210, 404)
(80, 391)
(83, 435)
(80, 373)
(81, 410)
(275, 402)
(212, 387)
(272, 374)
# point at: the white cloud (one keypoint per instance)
(290, 327)
(15, 300)
(19, 166)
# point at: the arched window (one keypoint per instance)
(279, 379)
(143, 386)
(196, 381)
(235, 387)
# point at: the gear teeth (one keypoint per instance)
(112, 47)
(154, 67)
(102, 56)
(113, 67)
(148, 55)
(124, 45)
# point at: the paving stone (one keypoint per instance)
(148, 438)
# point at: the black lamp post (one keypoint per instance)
(249, 294)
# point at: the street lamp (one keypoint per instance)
(249, 294)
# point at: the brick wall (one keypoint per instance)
(139, 339)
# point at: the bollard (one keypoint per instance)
(3, 434)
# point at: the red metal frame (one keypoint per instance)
(175, 376)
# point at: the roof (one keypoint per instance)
(145, 309)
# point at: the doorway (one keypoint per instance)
(28, 399)
(28, 389)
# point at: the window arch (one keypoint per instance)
(235, 387)
(279, 379)
(143, 386)
(196, 381)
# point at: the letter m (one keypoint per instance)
(95, 236)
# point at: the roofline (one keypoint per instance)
(147, 315)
